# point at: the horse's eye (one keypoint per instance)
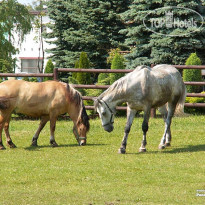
(104, 113)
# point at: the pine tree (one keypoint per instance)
(192, 74)
(117, 63)
(49, 69)
(137, 35)
(91, 26)
(172, 47)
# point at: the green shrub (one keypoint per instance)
(81, 78)
(195, 110)
(112, 54)
(117, 63)
(25, 78)
(104, 79)
(192, 74)
(49, 69)
(33, 79)
(73, 78)
(74, 74)
(84, 78)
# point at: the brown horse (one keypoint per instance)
(46, 100)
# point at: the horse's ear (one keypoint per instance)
(96, 103)
(96, 100)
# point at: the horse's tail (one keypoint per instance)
(180, 105)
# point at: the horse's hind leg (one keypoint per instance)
(1, 128)
(164, 112)
(4, 124)
(42, 124)
(52, 131)
(166, 139)
(8, 138)
(130, 117)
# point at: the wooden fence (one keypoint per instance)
(180, 67)
(56, 71)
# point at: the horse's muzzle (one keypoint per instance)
(82, 143)
(109, 128)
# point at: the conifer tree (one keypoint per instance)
(83, 78)
(172, 47)
(104, 79)
(85, 25)
(117, 63)
(49, 69)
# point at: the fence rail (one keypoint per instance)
(181, 67)
(4, 75)
(56, 71)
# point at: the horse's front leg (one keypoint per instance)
(52, 131)
(145, 129)
(130, 116)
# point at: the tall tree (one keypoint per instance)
(171, 46)
(91, 26)
(14, 18)
(137, 35)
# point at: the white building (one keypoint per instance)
(30, 56)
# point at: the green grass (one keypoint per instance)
(96, 174)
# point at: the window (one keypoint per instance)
(30, 65)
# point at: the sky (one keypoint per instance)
(25, 1)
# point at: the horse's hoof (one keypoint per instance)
(34, 144)
(142, 150)
(2, 147)
(121, 151)
(168, 144)
(54, 144)
(161, 146)
(11, 144)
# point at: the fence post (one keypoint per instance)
(55, 74)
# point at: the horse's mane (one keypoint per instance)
(118, 87)
(76, 98)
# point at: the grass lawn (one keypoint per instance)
(96, 174)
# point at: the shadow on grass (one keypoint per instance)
(189, 148)
(37, 148)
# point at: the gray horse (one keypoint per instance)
(144, 88)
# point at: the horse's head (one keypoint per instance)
(81, 128)
(106, 114)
